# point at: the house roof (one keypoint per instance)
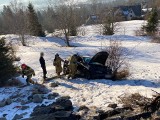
(94, 17)
(135, 8)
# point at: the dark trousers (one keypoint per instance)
(44, 72)
(28, 79)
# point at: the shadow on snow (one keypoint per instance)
(141, 82)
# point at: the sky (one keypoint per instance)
(37, 3)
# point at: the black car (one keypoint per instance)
(94, 68)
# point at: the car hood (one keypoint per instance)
(100, 57)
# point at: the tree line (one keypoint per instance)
(67, 17)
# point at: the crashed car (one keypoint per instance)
(93, 68)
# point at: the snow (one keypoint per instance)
(121, 28)
(147, 9)
(142, 55)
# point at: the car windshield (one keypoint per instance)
(86, 59)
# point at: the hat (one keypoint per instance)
(23, 65)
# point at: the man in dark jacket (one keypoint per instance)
(43, 65)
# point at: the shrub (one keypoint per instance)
(116, 61)
(73, 31)
(108, 28)
(140, 32)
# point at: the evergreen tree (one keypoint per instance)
(7, 57)
(34, 26)
(73, 30)
(152, 22)
(108, 28)
(8, 20)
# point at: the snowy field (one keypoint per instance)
(142, 55)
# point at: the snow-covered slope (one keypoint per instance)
(142, 55)
(121, 28)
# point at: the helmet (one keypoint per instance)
(23, 66)
(57, 55)
(77, 54)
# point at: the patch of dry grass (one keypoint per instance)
(135, 100)
(156, 40)
(122, 74)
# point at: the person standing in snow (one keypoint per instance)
(57, 63)
(73, 67)
(29, 72)
(66, 67)
(43, 65)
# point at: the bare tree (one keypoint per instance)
(157, 3)
(97, 6)
(116, 61)
(48, 19)
(20, 20)
(66, 19)
(22, 26)
(81, 31)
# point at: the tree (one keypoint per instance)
(8, 20)
(48, 19)
(67, 19)
(13, 20)
(22, 26)
(1, 25)
(20, 20)
(7, 69)
(152, 23)
(108, 28)
(109, 24)
(72, 28)
(77, 15)
(116, 61)
(34, 26)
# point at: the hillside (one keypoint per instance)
(142, 55)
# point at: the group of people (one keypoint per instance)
(69, 67)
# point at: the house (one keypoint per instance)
(92, 19)
(129, 12)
